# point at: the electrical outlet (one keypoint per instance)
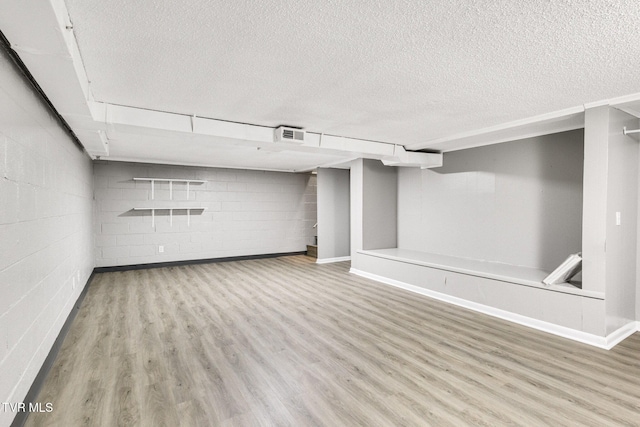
(160, 249)
(618, 220)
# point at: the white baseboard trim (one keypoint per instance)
(619, 335)
(606, 343)
(330, 260)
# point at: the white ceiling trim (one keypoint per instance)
(633, 98)
(629, 104)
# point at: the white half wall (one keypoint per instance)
(333, 214)
(517, 203)
(576, 312)
(247, 213)
(46, 245)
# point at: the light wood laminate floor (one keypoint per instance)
(286, 342)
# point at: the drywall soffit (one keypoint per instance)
(121, 120)
(546, 124)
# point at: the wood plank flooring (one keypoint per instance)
(287, 342)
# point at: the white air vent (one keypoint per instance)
(290, 135)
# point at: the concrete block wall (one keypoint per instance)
(46, 244)
(247, 213)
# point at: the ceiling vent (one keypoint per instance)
(289, 135)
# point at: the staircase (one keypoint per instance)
(312, 251)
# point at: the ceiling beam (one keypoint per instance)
(545, 124)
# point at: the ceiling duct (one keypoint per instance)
(289, 135)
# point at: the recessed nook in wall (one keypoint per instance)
(517, 203)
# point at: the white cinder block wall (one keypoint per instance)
(46, 244)
(247, 213)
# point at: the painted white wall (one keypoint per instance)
(310, 209)
(333, 213)
(247, 213)
(46, 245)
(637, 126)
(356, 183)
(596, 169)
(380, 200)
(621, 240)
(518, 203)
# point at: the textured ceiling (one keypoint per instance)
(403, 71)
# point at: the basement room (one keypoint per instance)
(319, 213)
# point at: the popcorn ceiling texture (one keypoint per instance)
(401, 71)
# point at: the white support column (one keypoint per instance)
(609, 217)
(356, 189)
(333, 213)
(594, 202)
(374, 201)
